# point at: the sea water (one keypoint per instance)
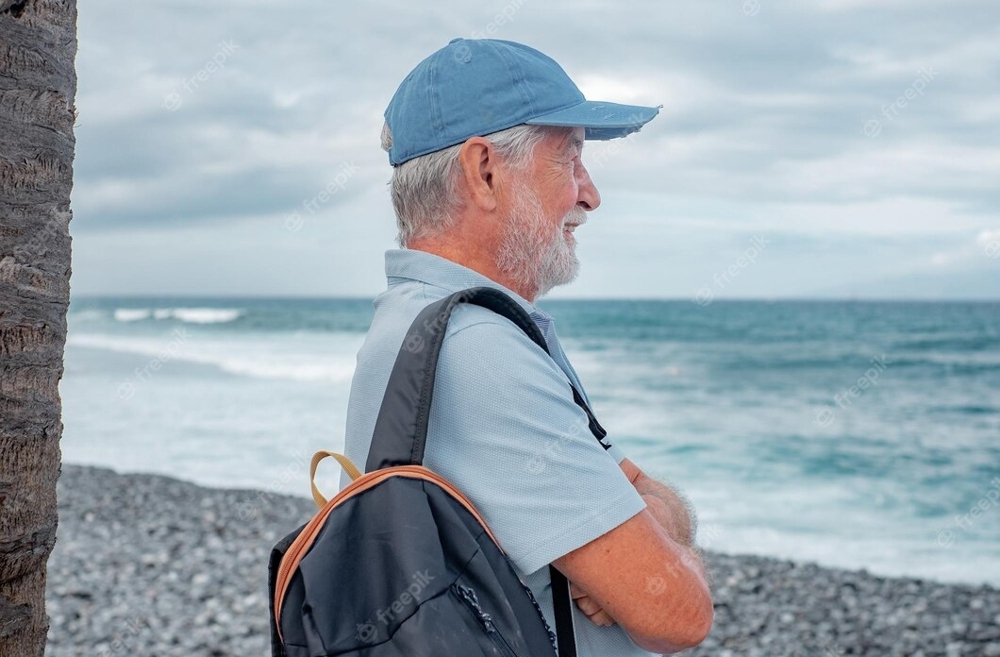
(860, 435)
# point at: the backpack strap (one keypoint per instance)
(562, 607)
(401, 426)
(400, 434)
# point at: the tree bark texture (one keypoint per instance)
(37, 114)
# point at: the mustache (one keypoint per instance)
(576, 216)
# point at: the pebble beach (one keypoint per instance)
(147, 565)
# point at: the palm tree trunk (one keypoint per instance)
(37, 92)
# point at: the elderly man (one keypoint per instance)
(488, 186)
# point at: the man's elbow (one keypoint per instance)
(669, 634)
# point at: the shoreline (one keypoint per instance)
(152, 565)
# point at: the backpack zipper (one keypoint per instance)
(468, 596)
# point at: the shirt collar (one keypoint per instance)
(415, 265)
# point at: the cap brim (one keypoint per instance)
(601, 120)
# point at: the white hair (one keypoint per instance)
(423, 189)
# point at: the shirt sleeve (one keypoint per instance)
(504, 429)
(616, 453)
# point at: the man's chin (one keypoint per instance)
(564, 279)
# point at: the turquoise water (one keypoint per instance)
(852, 434)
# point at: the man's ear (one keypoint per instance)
(478, 159)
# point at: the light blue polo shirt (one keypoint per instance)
(503, 429)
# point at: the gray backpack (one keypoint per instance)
(400, 563)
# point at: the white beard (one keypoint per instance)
(533, 253)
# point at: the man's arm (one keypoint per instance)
(669, 508)
(673, 513)
(676, 608)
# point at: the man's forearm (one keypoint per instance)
(666, 505)
(673, 514)
(669, 509)
(675, 521)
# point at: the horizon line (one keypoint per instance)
(762, 299)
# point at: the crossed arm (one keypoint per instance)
(664, 503)
(658, 590)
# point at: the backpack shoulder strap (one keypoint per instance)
(401, 426)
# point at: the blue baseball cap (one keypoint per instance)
(473, 87)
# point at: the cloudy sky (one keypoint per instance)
(843, 148)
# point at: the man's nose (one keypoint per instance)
(588, 197)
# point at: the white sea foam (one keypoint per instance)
(304, 368)
(190, 315)
(897, 556)
(206, 315)
(131, 314)
(328, 357)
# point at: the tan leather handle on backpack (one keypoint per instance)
(351, 470)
